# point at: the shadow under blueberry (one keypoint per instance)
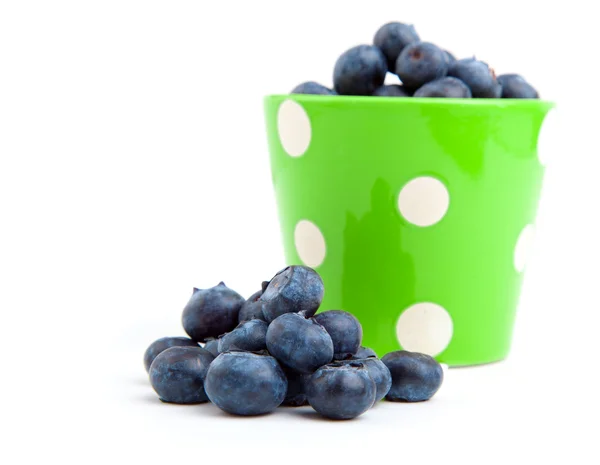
(139, 381)
(149, 398)
(378, 278)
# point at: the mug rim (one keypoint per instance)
(414, 101)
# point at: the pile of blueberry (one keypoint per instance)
(424, 69)
(272, 350)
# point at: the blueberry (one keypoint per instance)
(415, 377)
(211, 312)
(514, 86)
(296, 391)
(311, 87)
(212, 346)
(341, 391)
(264, 285)
(345, 331)
(364, 352)
(300, 343)
(359, 70)
(392, 38)
(252, 308)
(478, 76)
(294, 289)
(248, 335)
(420, 63)
(449, 87)
(162, 344)
(393, 90)
(378, 372)
(177, 374)
(245, 383)
(449, 57)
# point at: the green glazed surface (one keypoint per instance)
(361, 152)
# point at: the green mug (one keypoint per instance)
(417, 213)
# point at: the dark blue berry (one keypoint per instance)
(294, 289)
(478, 76)
(515, 86)
(448, 87)
(341, 391)
(212, 346)
(311, 87)
(364, 352)
(248, 335)
(211, 312)
(449, 57)
(392, 38)
(300, 343)
(252, 309)
(245, 383)
(178, 374)
(392, 90)
(162, 344)
(359, 70)
(345, 331)
(420, 63)
(296, 391)
(378, 372)
(415, 377)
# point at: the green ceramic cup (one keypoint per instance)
(417, 213)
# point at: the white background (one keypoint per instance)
(133, 165)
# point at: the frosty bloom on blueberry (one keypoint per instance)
(341, 391)
(248, 335)
(378, 372)
(415, 377)
(211, 312)
(245, 383)
(448, 87)
(300, 343)
(252, 308)
(392, 90)
(359, 70)
(311, 87)
(392, 38)
(162, 344)
(478, 76)
(177, 374)
(294, 289)
(237, 373)
(398, 49)
(344, 329)
(515, 86)
(420, 63)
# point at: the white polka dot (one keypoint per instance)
(548, 142)
(424, 327)
(310, 243)
(523, 247)
(294, 128)
(423, 201)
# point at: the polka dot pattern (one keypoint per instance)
(425, 327)
(424, 201)
(293, 126)
(310, 243)
(523, 247)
